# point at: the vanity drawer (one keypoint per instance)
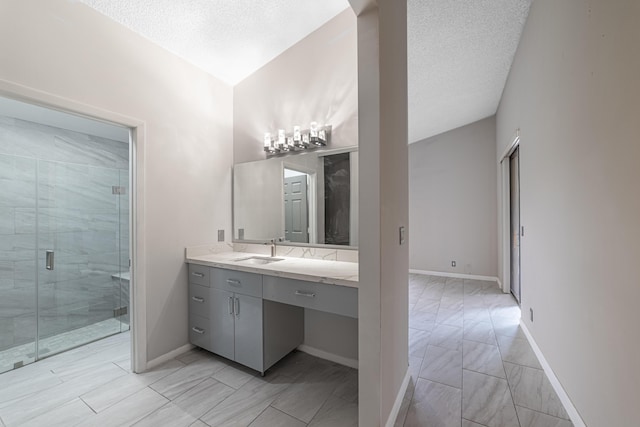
(199, 274)
(199, 332)
(237, 281)
(199, 300)
(341, 300)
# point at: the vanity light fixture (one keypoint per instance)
(299, 140)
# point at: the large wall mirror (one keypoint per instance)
(308, 199)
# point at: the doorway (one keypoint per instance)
(296, 206)
(64, 224)
(514, 219)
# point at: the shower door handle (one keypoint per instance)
(49, 260)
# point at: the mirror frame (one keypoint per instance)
(321, 153)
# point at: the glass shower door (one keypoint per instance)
(78, 255)
(17, 261)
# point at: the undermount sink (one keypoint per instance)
(259, 260)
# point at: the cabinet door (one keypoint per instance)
(248, 313)
(221, 318)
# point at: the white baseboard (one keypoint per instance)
(352, 363)
(555, 383)
(456, 275)
(168, 356)
(398, 403)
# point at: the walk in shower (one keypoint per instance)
(64, 232)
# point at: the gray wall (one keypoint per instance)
(575, 95)
(314, 80)
(68, 50)
(453, 201)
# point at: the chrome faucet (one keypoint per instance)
(273, 248)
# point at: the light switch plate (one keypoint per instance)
(220, 235)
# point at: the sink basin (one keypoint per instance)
(258, 260)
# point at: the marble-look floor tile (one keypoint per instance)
(128, 411)
(454, 281)
(248, 402)
(427, 304)
(414, 373)
(467, 423)
(19, 411)
(518, 351)
(507, 326)
(487, 400)
(336, 412)
(483, 358)
(347, 389)
(529, 418)
(531, 389)
(480, 332)
(443, 366)
(235, 376)
(450, 317)
(446, 336)
(114, 391)
(434, 404)
(452, 303)
(423, 320)
(167, 415)
(273, 417)
(434, 291)
(307, 395)
(198, 400)
(183, 379)
(418, 341)
(474, 314)
(199, 423)
(70, 414)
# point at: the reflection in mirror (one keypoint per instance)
(304, 199)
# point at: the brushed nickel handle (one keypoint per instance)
(197, 330)
(49, 264)
(234, 282)
(230, 305)
(195, 273)
(198, 299)
(306, 294)
(237, 308)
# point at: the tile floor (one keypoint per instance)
(93, 386)
(470, 366)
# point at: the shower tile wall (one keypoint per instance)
(58, 183)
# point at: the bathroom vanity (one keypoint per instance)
(250, 308)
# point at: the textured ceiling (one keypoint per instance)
(228, 38)
(460, 51)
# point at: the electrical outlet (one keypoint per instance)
(220, 235)
(453, 263)
(531, 313)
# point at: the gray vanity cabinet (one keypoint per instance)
(228, 316)
(236, 316)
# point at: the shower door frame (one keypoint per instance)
(138, 322)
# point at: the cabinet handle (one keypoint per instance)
(306, 294)
(197, 274)
(237, 307)
(197, 299)
(234, 282)
(230, 305)
(197, 330)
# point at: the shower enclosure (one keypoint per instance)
(64, 238)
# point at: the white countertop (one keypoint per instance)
(313, 270)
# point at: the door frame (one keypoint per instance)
(505, 213)
(137, 136)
